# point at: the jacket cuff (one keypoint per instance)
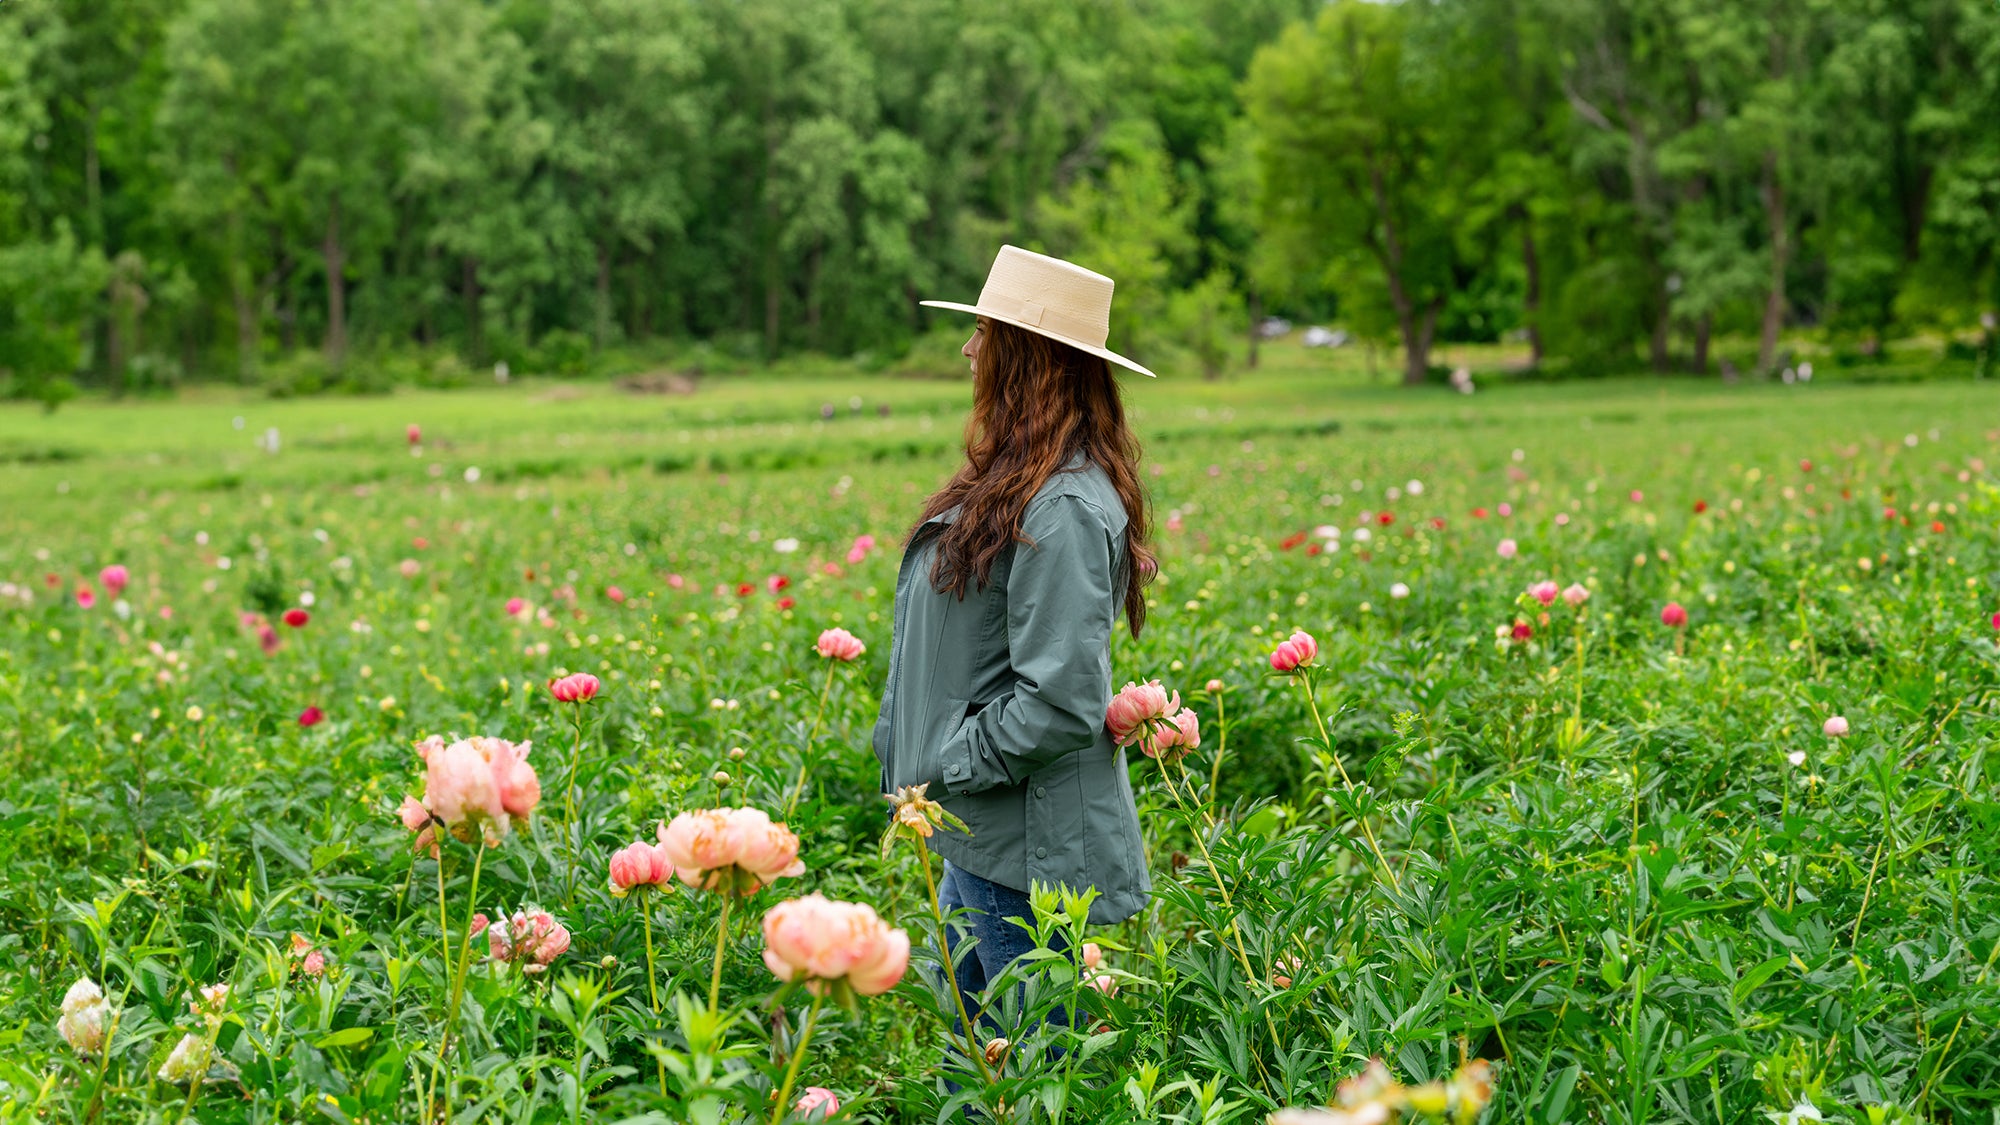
(956, 759)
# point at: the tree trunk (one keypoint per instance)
(813, 264)
(1256, 316)
(601, 331)
(93, 179)
(468, 292)
(1702, 330)
(1774, 301)
(1417, 345)
(1531, 302)
(336, 285)
(1661, 359)
(245, 302)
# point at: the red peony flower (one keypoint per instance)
(297, 618)
(311, 717)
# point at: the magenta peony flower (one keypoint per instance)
(86, 598)
(1673, 616)
(578, 687)
(311, 717)
(839, 644)
(115, 577)
(1543, 592)
(516, 606)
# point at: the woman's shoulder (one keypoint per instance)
(1079, 490)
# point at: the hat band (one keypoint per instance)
(1055, 322)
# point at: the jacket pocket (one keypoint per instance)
(942, 722)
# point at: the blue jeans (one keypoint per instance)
(999, 940)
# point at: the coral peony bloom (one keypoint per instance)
(1835, 727)
(1296, 651)
(615, 594)
(84, 1011)
(1543, 592)
(729, 849)
(115, 577)
(839, 644)
(1137, 709)
(1093, 955)
(414, 433)
(1575, 595)
(639, 864)
(311, 717)
(1673, 616)
(578, 687)
(478, 783)
(816, 1099)
(297, 618)
(1507, 549)
(817, 940)
(86, 597)
(1103, 983)
(530, 939)
(1213, 686)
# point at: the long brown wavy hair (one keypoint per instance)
(1036, 402)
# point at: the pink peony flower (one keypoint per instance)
(729, 849)
(413, 814)
(1137, 710)
(1296, 651)
(639, 864)
(1508, 549)
(115, 577)
(1179, 734)
(578, 687)
(1575, 595)
(516, 606)
(1835, 727)
(615, 594)
(267, 637)
(297, 618)
(777, 583)
(530, 939)
(408, 568)
(414, 433)
(839, 644)
(312, 716)
(86, 597)
(1213, 687)
(1093, 955)
(1673, 616)
(816, 1099)
(1543, 592)
(478, 783)
(1103, 983)
(817, 940)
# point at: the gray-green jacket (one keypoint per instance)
(998, 701)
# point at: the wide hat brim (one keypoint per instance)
(1101, 353)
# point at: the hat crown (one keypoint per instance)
(1049, 293)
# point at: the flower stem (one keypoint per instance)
(951, 968)
(569, 810)
(652, 985)
(798, 1056)
(812, 736)
(1313, 703)
(721, 944)
(458, 976)
(1221, 748)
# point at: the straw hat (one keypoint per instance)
(1048, 296)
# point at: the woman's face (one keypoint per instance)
(971, 349)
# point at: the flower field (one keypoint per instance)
(1621, 753)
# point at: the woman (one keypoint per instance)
(1011, 582)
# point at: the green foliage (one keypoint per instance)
(1605, 869)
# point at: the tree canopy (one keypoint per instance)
(224, 187)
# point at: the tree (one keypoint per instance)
(1362, 152)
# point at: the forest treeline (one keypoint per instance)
(305, 192)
